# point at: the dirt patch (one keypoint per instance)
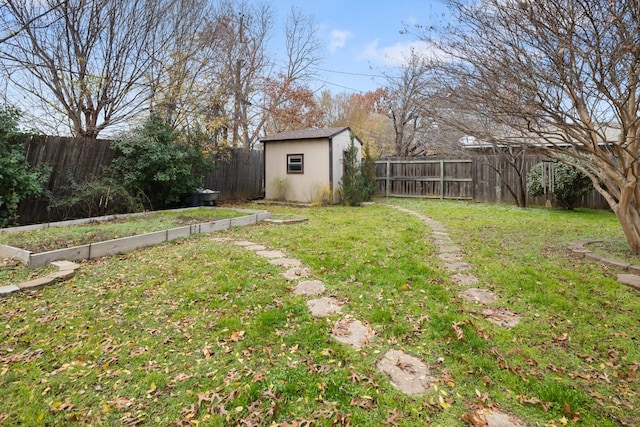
(407, 373)
(353, 333)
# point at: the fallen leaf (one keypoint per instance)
(392, 418)
(476, 419)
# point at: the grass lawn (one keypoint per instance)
(196, 331)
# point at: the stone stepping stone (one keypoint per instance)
(270, 254)
(5, 291)
(629, 280)
(501, 317)
(492, 418)
(256, 248)
(244, 243)
(66, 265)
(222, 239)
(309, 287)
(443, 242)
(407, 373)
(464, 279)
(448, 249)
(457, 266)
(297, 273)
(450, 257)
(481, 296)
(352, 332)
(286, 262)
(324, 307)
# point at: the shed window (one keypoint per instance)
(295, 163)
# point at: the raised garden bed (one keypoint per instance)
(96, 249)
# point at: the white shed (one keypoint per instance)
(302, 165)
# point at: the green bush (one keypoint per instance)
(18, 179)
(566, 183)
(358, 183)
(97, 196)
(153, 165)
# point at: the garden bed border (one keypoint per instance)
(123, 244)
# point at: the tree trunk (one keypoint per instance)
(629, 217)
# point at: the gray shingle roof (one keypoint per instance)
(304, 134)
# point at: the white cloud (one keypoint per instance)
(397, 54)
(338, 39)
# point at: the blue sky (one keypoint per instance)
(362, 37)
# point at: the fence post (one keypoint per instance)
(388, 179)
(441, 179)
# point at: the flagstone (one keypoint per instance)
(324, 307)
(309, 287)
(352, 332)
(407, 373)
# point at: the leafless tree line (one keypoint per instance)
(91, 66)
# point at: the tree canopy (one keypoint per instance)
(560, 76)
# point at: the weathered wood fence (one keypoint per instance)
(236, 173)
(468, 178)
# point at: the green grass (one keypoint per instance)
(52, 238)
(199, 331)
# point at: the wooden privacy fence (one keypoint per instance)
(236, 173)
(441, 179)
(471, 178)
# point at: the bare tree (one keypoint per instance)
(236, 35)
(302, 46)
(11, 28)
(561, 76)
(83, 61)
(287, 101)
(404, 99)
(176, 72)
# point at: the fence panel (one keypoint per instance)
(237, 174)
(442, 179)
(472, 178)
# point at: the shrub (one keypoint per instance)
(97, 196)
(358, 182)
(154, 165)
(281, 184)
(566, 183)
(18, 179)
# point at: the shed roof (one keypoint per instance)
(305, 134)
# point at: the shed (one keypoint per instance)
(306, 165)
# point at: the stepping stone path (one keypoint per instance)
(453, 257)
(447, 251)
(407, 373)
(66, 270)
